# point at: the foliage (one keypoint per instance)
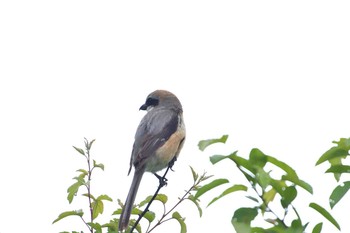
(268, 191)
(336, 155)
(95, 205)
(271, 185)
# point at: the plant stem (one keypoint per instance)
(88, 186)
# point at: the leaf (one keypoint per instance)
(160, 197)
(296, 227)
(96, 226)
(232, 189)
(97, 208)
(257, 157)
(217, 158)
(181, 220)
(196, 202)
(317, 228)
(263, 178)
(242, 162)
(338, 193)
(104, 197)
(253, 199)
(242, 218)
(89, 195)
(79, 213)
(339, 169)
(298, 182)
(269, 196)
(99, 165)
(194, 174)
(89, 144)
(81, 151)
(83, 172)
(288, 195)
(73, 189)
(332, 153)
(336, 162)
(344, 143)
(325, 214)
(285, 167)
(209, 186)
(205, 143)
(132, 222)
(278, 185)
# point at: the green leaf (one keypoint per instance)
(160, 197)
(181, 220)
(210, 186)
(336, 162)
(232, 189)
(104, 197)
(96, 226)
(99, 165)
(338, 193)
(325, 214)
(194, 174)
(257, 157)
(242, 218)
(269, 196)
(253, 199)
(89, 144)
(317, 228)
(89, 195)
(296, 227)
(344, 143)
(285, 167)
(83, 172)
(217, 158)
(278, 185)
(195, 201)
(339, 169)
(81, 151)
(288, 195)
(298, 182)
(332, 153)
(205, 143)
(79, 213)
(73, 189)
(263, 178)
(242, 162)
(97, 208)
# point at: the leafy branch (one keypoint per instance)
(95, 204)
(167, 215)
(257, 170)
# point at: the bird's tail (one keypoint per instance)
(125, 215)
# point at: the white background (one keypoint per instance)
(272, 75)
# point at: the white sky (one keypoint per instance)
(272, 75)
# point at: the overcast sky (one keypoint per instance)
(272, 75)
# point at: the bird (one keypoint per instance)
(159, 139)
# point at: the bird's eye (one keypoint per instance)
(151, 101)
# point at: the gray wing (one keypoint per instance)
(154, 130)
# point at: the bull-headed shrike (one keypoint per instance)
(158, 141)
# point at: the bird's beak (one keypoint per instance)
(143, 107)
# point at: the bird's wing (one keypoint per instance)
(154, 130)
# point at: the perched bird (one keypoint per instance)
(158, 141)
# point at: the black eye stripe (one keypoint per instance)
(152, 101)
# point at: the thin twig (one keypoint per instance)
(89, 182)
(162, 183)
(160, 221)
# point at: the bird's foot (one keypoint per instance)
(162, 180)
